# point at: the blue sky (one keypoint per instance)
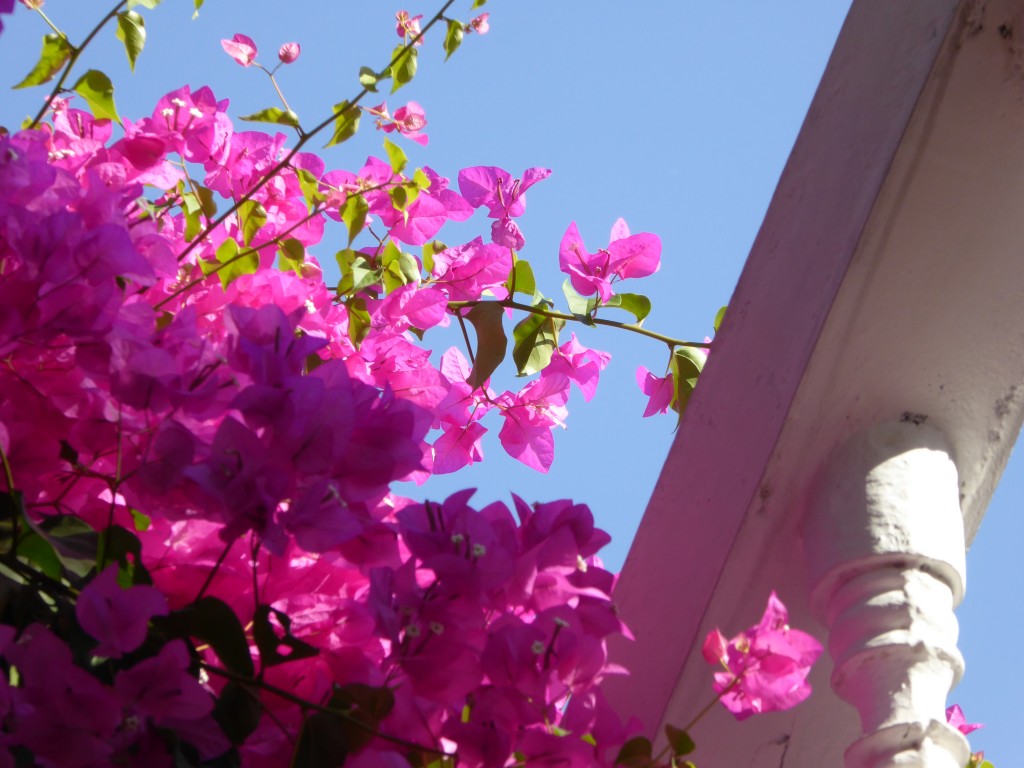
(677, 116)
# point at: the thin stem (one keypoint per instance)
(8, 474)
(669, 340)
(700, 715)
(213, 572)
(248, 251)
(281, 693)
(465, 335)
(9, 477)
(50, 23)
(305, 138)
(76, 51)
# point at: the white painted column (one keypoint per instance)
(885, 548)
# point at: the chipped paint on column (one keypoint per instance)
(885, 551)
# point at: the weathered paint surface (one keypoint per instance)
(885, 283)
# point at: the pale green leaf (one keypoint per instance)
(358, 319)
(131, 31)
(358, 272)
(251, 218)
(536, 339)
(429, 249)
(453, 37)
(420, 179)
(310, 186)
(685, 365)
(151, 4)
(274, 115)
(98, 92)
(346, 123)
(521, 279)
(368, 79)
(719, 317)
(404, 68)
(398, 268)
(578, 305)
(396, 156)
(353, 213)
(235, 262)
(56, 51)
(637, 305)
(291, 255)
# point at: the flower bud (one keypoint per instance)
(289, 52)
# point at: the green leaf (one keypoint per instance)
(346, 123)
(685, 365)
(358, 272)
(322, 742)
(274, 115)
(215, 623)
(578, 305)
(117, 544)
(369, 79)
(194, 203)
(358, 319)
(39, 551)
(719, 317)
(56, 51)
(429, 249)
(637, 305)
(251, 217)
(536, 339)
(353, 213)
(235, 265)
(420, 179)
(131, 30)
(98, 92)
(679, 740)
(271, 643)
(396, 156)
(635, 753)
(310, 186)
(291, 255)
(74, 541)
(141, 521)
(453, 37)
(366, 704)
(399, 198)
(404, 68)
(521, 279)
(491, 342)
(151, 4)
(237, 711)
(198, 5)
(398, 268)
(477, 4)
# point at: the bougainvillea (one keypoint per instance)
(201, 546)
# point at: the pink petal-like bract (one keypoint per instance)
(240, 48)
(766, 666)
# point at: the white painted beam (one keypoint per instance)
(887, 279)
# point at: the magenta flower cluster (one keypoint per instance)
(199, 442)
(224, 409)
